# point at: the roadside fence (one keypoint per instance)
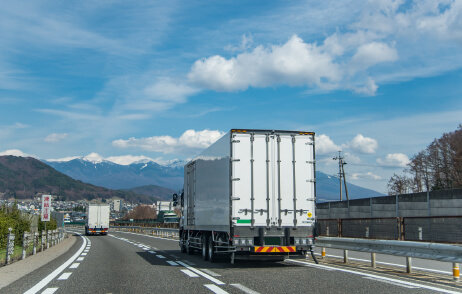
(32, 243)
(158, 232)
(445, 229)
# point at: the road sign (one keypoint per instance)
(46, 208)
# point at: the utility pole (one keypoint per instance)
(341, 174)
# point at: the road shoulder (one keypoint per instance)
(19, 269)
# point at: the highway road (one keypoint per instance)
(123, 262)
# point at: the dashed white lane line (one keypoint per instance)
(207, 271)
(188, 262)
(172, 263)
(64, 276)
(244, 289)
(83, 254)
(210, 278)
(80, 258)
(49, 290)
(74, 265)
(40, 285)
(160, 256)
(190, 273)
(152, 252)
(215, 289)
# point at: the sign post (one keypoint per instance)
(46, 210)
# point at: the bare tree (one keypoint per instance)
(399, 185)
(142, 212)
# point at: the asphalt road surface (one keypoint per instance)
(124, 262)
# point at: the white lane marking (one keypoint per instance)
(147, 248)
(65, 276)
(155, 248)
(49, 290)
(215, 289)
(40, 285)
(376, 277)
(84, 254)
(391, 283)
(160, 256)
(75, 265)
(244, 289)
(80, 258)
(152, 252)
(393, 264)
(218, 282)
(207, 271)
(86, 250)
(189, 273)
(172, 262)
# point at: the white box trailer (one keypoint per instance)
(97, 219)
(251, 195)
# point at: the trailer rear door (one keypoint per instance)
(273, 178)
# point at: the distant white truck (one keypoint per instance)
(97, 221)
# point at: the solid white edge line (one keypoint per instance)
(244, 289)
(376, 277)
(218, 282)
(215, 289)
(40, 285)
(395, 284)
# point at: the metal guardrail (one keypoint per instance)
(408, 249)
(159, 232)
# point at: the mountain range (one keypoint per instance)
(27, 177)
(170, 175)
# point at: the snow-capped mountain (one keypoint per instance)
(102, 172)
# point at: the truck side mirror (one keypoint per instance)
(175, 199)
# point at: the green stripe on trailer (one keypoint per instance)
(244, 221)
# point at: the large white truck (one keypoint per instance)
(97, 219)
(251, 195)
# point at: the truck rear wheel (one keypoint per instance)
(189, 250)
(205, 246)
(212, 254)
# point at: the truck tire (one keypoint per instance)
(189, 250)
(212, 254)
(205, 247)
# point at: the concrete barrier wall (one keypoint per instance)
(435, 203)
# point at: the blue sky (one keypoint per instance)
(378, 80)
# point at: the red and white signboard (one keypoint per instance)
(46, 208)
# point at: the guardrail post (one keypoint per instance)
(43, 240)
(409, 265)
(25, 244)
(455, 271)
(373, 260)
(345, 256)
(36, 242)
(9, 246)
(323, 252)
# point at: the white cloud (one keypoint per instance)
(294, 63)
(351, 158)
(362, 144)
(325, 145)
(64, 159)
(54, 137)
(394, 159)
(189, 141)
(368, 176)
(16, 152)
(371, 54)
(246, 42)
